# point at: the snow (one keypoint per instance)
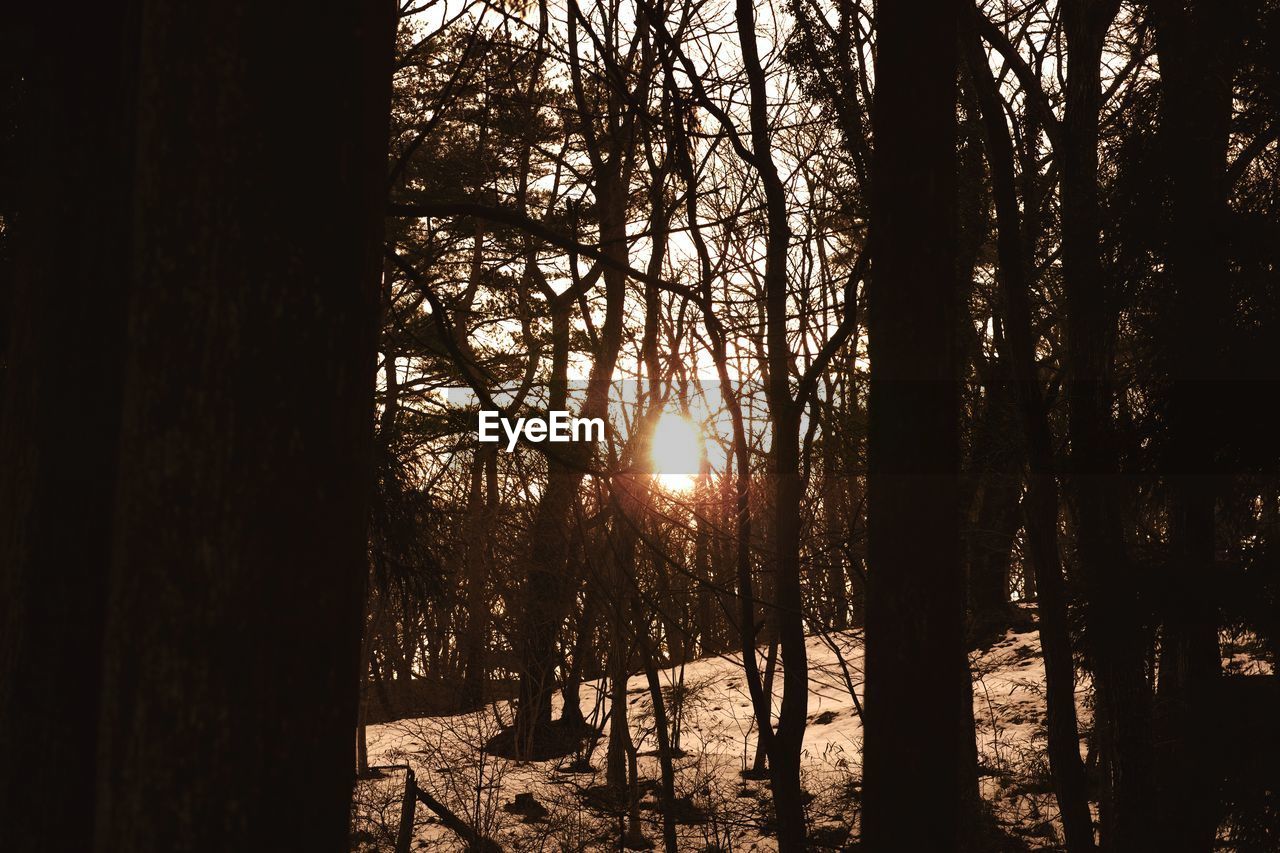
(727, 812)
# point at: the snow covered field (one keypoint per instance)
(560, 805)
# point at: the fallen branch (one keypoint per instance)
(476, 843)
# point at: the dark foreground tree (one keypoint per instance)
(1115, 644)
(914, 595)
(1195, 44)
(202, 612)
(66, 210)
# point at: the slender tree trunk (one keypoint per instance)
(1116, 642)
(1041, 501)
(995, 521)
(621, 773)
(662, 730)
(543, 605)
(785, 779)
(571, 714)
(760, 763)
(787, 741)
(362, 746)
(835, 515)
(482, 509)
(914, 606)
(619, 731)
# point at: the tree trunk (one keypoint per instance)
(1116, 648)
(482, 509)
(571, 714)
(914, 607)
(543, 607)
(785, 743)
(760, 763)
(72, 160)
(1041, 501)
(619, 730)
(1196, 92)
(661, 729)
(995, 520)
(232, 646)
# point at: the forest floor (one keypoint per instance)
(562, 805)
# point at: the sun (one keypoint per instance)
(677, 452)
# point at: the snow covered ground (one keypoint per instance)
(720, 810)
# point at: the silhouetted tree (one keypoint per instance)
(914, 606)
(185, 547)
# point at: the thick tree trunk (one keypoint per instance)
(1196, 92)
(67, 225)
(914, 606)
(239, 559)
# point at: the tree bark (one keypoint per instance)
(1116, 645)
(239, 554)
(1193, 43)
(914, 606)
(72, 156)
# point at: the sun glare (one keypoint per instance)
(676, 452)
